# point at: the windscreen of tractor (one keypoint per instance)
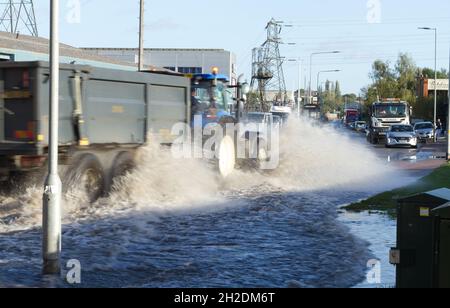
(206, 97)
(390, 111)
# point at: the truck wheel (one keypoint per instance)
(123, 164)
(227, 156)
(86, 175)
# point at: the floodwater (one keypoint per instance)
(173, 223)
(380, 231)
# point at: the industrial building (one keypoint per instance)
(185, 61)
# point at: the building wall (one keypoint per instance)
(425, 86)
(181, 60)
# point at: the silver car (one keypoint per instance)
(401, 135)
(424, 131)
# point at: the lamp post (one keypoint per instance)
(51, 218)
(435, 74)
(310, 69)
(448, 119)
(321, 72)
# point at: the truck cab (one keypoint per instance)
(211, 98)
(385, 114)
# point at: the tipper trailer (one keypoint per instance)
(105, 116)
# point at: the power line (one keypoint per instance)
(359, 22)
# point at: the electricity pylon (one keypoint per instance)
(17, 16)
(267, 67)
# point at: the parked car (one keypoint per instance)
(424, 131)
(401, 135)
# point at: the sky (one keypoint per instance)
(363, 30)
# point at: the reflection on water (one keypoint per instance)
(380, 231)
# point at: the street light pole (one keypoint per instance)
(51, 219)
(435, 74)
(310, 70)
(435, 81)
(448, 119)
(320, 72)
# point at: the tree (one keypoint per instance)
(405, 70)
(429, 73)
(381, 70)
(338, 93)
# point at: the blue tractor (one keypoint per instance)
(212, 99)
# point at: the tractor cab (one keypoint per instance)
(211, 98)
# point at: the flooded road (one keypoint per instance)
(174, 224)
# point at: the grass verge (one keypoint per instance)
(387, 201)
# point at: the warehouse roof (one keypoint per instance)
(12, 43)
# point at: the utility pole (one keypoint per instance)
(435, 74)
(141, 35)
(51, 219)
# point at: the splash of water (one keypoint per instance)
(312, 159)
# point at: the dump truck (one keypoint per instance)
(351, 116)
(105, 117)
(386, 113)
